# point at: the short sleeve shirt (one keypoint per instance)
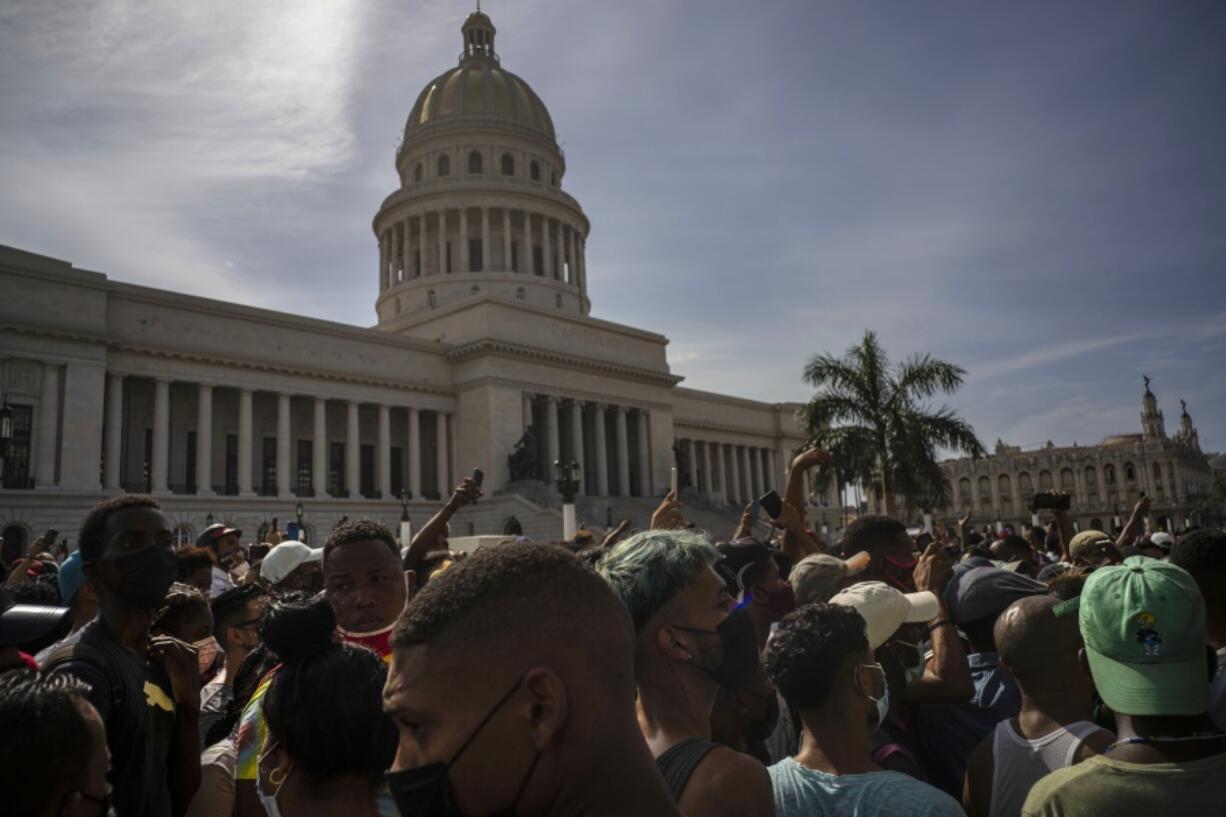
(804, 792)
(1101, 786)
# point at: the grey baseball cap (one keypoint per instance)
(987, 591)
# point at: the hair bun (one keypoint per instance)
(298, 630)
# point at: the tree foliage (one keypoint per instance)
(874, 419)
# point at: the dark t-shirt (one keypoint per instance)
(139, 717)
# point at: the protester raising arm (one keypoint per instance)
(1136, 523)
(745, 527)
(668, 515)
(427, 539)
(964, 527)
(947, 677)
(794, 493)
(183, 757)
(796, 541)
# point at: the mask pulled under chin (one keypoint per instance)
(379, 640)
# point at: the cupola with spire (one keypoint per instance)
(1187, 431)
(1153, 427)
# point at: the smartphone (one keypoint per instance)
(673, 484)
(50, 536)
(771, 503)
(755, 509)
(1052, 502)
(274, 524)
(478, 478)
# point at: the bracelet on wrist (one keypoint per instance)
(938, 623)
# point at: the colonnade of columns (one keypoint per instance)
(611, 443)
(436, 242)
(732, 472)
(289, 481)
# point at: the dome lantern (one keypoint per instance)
(478, 31)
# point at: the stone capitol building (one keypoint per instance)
(484, 355)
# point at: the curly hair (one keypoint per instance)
(91, 539)
(179, 601)
(1201, 552)
(871, 532)
(810, 648)
(191, 559)
(360, 530)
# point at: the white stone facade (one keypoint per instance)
(238, 414)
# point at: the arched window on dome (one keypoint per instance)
(432, 299)
(418, 171)
(520, 294)
(508, 164)
(444, 165)
(475, 162)
(534, 171)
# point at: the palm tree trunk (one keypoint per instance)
(887, 495)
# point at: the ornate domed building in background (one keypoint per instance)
(484, 355)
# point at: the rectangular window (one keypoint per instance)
(17, 458)
(514, 256)
(147, 473)
(336, 469)
(305, 453)
(189, 464)
(268, 485)
(231, 488)
(476, 261)
(448, 247)
(366, 479)
(397, 463)
(538, 261)
(416, 263)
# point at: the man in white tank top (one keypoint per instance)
(1053, 728)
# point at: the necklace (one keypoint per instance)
(1145, 741)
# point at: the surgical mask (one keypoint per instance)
(269, 799)
(145, 576)
(207, 650)
(915, 671)
(379, 640)
(425, 790)
(739, 640)
(883, 703)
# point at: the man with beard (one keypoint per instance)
(147, 689)
(223, 544)
(689, 644)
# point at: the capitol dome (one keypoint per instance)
(479, 92)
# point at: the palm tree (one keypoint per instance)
(872, 416)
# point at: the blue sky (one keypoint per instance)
(1036, 191)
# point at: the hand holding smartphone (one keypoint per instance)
(771, 503)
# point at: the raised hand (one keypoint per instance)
(668, 515)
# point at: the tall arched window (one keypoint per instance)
(985, 493)
(417, 172)
(1130, 473)
(1045, 481)
(1091, 477)
(444, 165)
(1067, 482)
(432, 298)
(474, 162)
(534, 171)
(508, 165)
(1109, 474)
(183, 535)
(1006, 489)
(964, 492)
(1024, 485)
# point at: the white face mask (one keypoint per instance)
(883, 703)
(206, 652)
(269, 799)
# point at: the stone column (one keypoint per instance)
(353, 448)
(384, 453)
(722, 472)
(284, 468)
(442, 242)
(734, 472)
(576, 437)
(978, 509)
(623, 452)
(114, 433)
(319, 449)
(506, 239)
(552, 437)
(691, 462)
(546, 253)
(383, 260)
(204, 441)
(486, 253)
(645, 486)
(1101, 474)
(48, 428)
(244, 442)
(570, 252)
(444, 489)
(527, 411)
(525, 250)
(602, 452)
(776, 479)
(159, 460)
(755, 469)
(415, 453)
(465, 262)
(708, 484)
(406, 260)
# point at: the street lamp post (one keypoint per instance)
(298, 513)
(566, 480)
(406, 527)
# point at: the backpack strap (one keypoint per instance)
(88, 655)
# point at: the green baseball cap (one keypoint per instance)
(1144, 628)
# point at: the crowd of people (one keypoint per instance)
(660, 672)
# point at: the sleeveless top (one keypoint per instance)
(679, 762)
(1019, 763)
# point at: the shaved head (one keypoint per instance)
(1032, 641)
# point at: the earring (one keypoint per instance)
(275, 780)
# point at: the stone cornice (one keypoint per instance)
(491, 347)
(739, 431)
(716, 397)
(229, 362)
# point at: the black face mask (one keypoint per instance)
(425, 791)
(740, 642)
(144, 576)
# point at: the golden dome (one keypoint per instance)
(478, 92)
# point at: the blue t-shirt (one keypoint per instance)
(802, 792)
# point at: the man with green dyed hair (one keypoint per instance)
(688, 644)
(1143, 623)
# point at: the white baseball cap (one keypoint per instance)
(285, 558)
(885, 609)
